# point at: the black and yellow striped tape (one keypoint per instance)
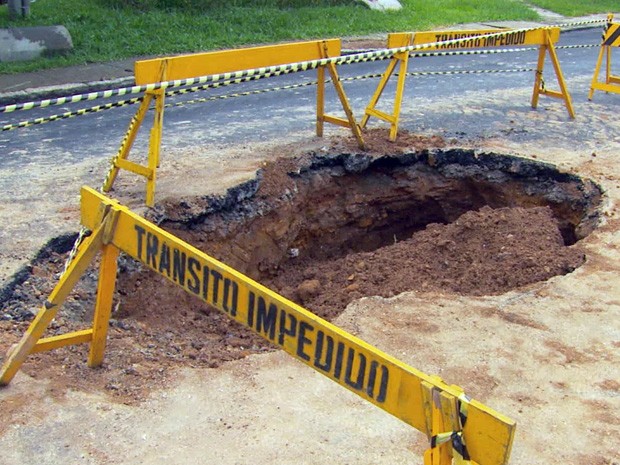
(250, 74)
(122, 103)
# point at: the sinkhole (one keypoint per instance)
(326, 229)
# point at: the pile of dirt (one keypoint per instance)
(482, 253)
(156, 326)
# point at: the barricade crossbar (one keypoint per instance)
(224, 63)
(422, 401)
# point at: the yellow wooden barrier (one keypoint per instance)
(222, 62)
(611, 38)
(457, 427)
(545, 38)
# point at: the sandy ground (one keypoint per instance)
(546, 355)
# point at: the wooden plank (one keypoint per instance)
(345, 359)
(54, 342)
(226, 61)
(134, 168)
(473, 39)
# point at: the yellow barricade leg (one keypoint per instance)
(379, 91)
(320, 101)
(155, 146)
(30, 339)
(105, 294)
(539, 83)
(563, 94)
(597, 70)
(611, 38)
(400, 90)
(350, 121)
(32, 342)
(538, 80)
(120, 160)
(439, 452)
(401, 60)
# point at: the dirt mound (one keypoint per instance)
(484, 252)
(323, 231)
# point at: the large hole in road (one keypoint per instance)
(324, 230)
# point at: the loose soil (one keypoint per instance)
(545, 354)
(353, 235)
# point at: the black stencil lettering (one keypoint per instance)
(251, 299)
(152, 247)
(385, 374)
(266, 318)
(338, 365)
(164, 259)
(193, 283)
(141, 232)
(205, 282)
(217, 277)
(302, 340)
(361, 370)
(318, 351)
(179, 262)
(283, 330)
(230, 298)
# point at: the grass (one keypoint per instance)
(105, 30)
(578, 8)
(102, 33)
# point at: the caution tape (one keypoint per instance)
(467, 71)
(493, 51)
(70, 114)
(133, 101)
(565, 47)
(259, 73)
(471, 52)
(581, 23)
(250, 74)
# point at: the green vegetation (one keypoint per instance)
(105, 30)
(578, 7)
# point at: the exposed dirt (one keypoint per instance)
(546, 354)
(322, 230)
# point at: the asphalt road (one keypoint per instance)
(263, 117)
(42, 167)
